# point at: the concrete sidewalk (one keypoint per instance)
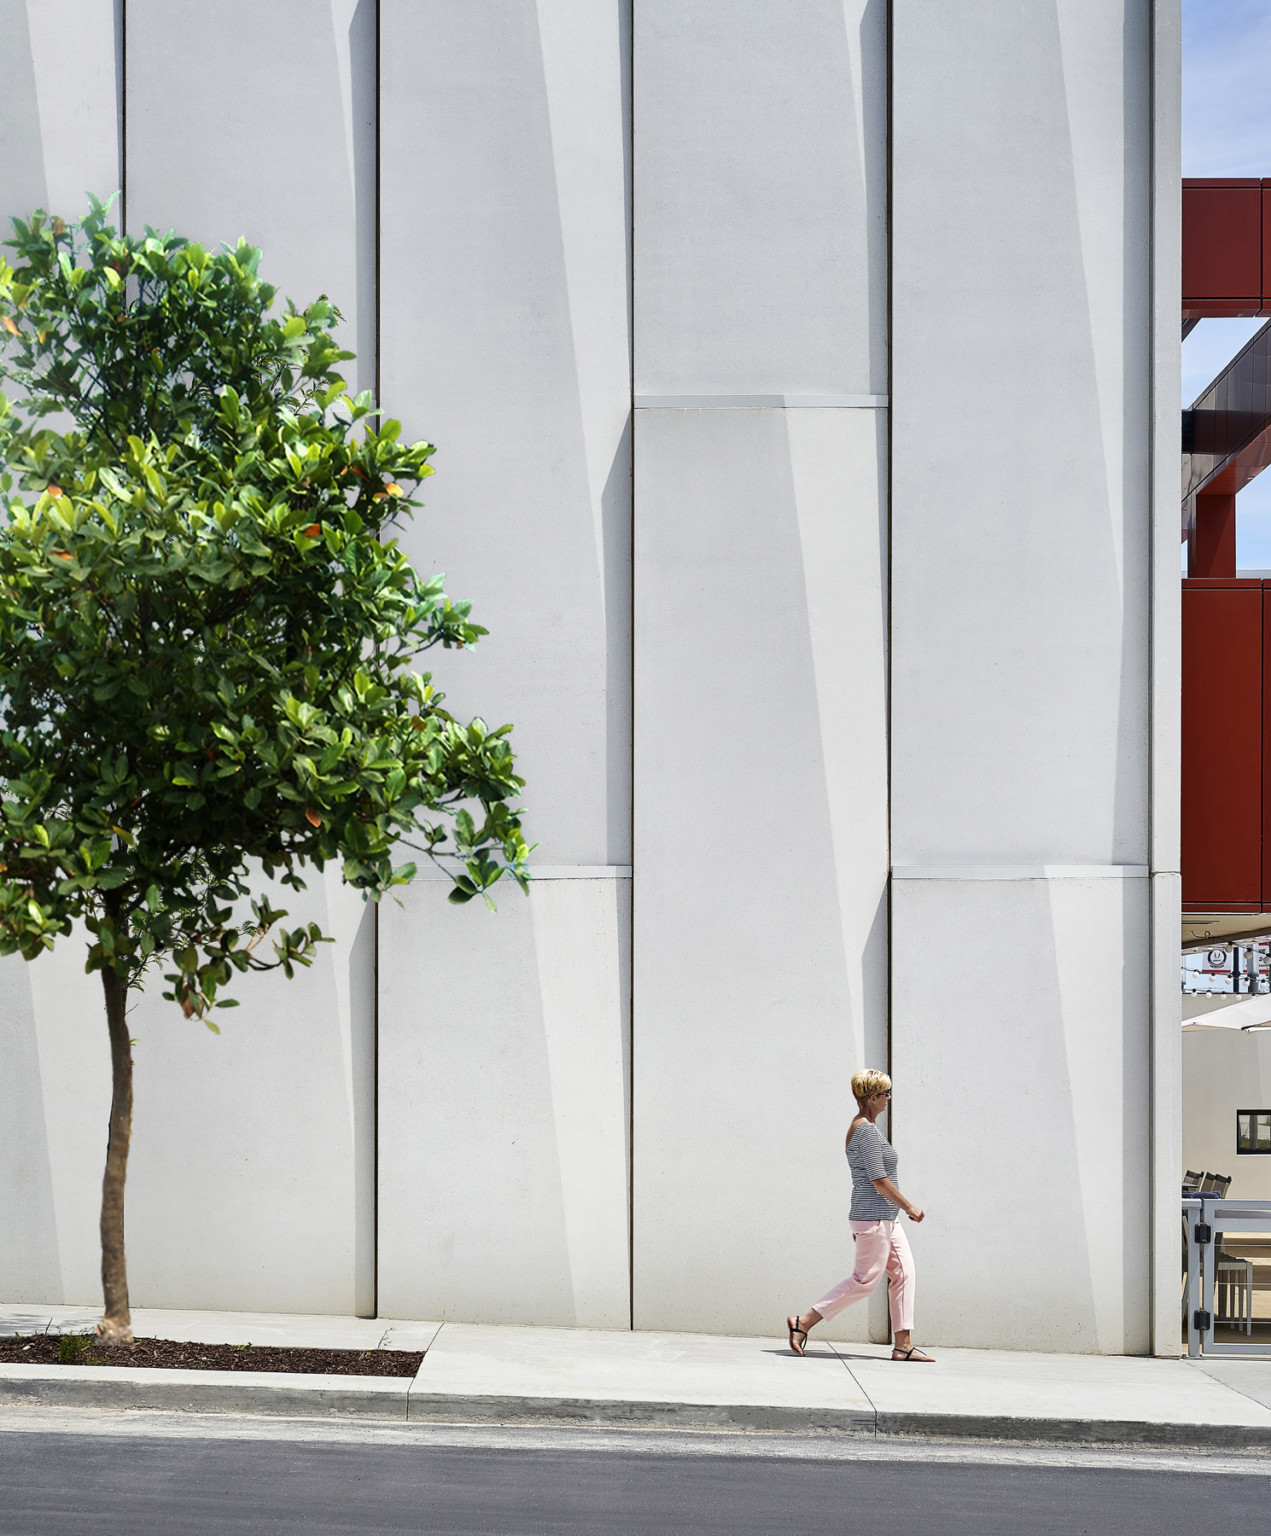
(480, 1373)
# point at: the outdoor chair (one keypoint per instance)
(1233, 1290)
(1233, 1277)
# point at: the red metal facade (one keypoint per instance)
(1226, 247)
(1226, 807)
(1211, 540)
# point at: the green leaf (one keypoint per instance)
(208, 633)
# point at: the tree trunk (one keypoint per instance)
(116, 1325)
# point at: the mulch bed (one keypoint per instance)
(167, 1354)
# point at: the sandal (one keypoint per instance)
(792, 1327)
(915, 1356)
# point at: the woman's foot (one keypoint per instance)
(797, 1334)
(913, 1354)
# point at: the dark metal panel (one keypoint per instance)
(1228, 430)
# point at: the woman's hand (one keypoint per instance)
(888, 1191)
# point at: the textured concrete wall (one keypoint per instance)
(761, 853)
(259, 121)
(1021, 540)
(760, 709)
(251, 1181)
(504, 1050)
(251, 1178)
(59, 114)
(505, 262)
(705, 547)
(59, 111)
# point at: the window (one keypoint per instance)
(1253, 1131)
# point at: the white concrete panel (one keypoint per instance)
(761, 197)
(761, 853)
(1021, 394)
(1224, 1071)
(761, 193)
(1020, 1063)
(59, 109)
(251, 1178)
(503, 1072)
(259, 121)
(31, 1253)
(23, 183)
(76, 54)
(505, 296)
(272, 1127)
(1166, 1110)
(1167, 286)
(47, 1209)
(1166, 654)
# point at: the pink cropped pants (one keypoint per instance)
(881, 1249)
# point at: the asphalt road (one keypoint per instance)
(56, 1484)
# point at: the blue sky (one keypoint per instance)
(1227, 132)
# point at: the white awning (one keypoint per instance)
(1253, 1013)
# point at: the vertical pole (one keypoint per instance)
(1208, 1268)
(1191, 1299)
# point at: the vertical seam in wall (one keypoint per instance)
(631, 971)
(121, 67)
(887, 638)
(376, 256)
(375, 964)
(1152, 489)
(1164, 1080)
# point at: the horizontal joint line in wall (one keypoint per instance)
(551, 872)
(1020, 872)
(753, 402)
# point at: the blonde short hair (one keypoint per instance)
(866, 1084)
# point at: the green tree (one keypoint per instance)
(208, 636)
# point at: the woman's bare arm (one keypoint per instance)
(888, 1191)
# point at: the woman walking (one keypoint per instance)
(881, 1245)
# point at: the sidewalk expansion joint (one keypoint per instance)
(857, 1382)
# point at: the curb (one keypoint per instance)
(1154, 1434)
(268, 1392)
(632, 1413)
(398, 1399)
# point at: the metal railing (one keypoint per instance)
(1211, 1275)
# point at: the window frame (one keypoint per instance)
(1253, 1116)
